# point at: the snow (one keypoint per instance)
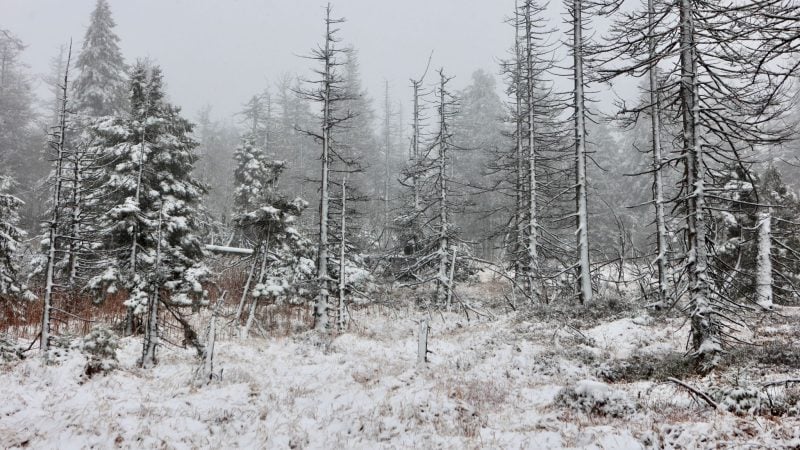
(620, 338)
(488, 384)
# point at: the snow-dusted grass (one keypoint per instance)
(491, 382)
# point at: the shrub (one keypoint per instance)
(100, 348)
(61, 347)
(10, 350)
(740, 400)
(647, 366)
(594, 397)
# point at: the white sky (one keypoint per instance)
(221, 52)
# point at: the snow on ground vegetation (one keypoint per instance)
(537, 377)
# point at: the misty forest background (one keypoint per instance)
(119, 209)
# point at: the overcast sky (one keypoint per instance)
(221, 52)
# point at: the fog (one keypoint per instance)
(220, 53)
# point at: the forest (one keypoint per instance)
(469, 260)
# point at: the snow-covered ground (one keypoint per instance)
(490, 383)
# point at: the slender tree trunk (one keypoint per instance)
(582, 213)
(705, 326)
(764, 262)
(415, 147)
(658, 184)
(520, 187)
(74, 219)
(151, 329)
(386, 164)
(44, 341)
(246, 290)
(321, 306)
(532, 225)
(245, 332)
(340, 311)
(451, 278)
(441, 284)
(129, 310)
(422, 342)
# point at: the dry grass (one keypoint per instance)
(76, 313)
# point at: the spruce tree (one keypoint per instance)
(150, 205)
(97, 92)
(100, 85)
(281, 263)
(11, 289)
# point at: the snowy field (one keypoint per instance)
(491, 382)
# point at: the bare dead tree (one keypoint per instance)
(726, 85)
(328, 91)
(57, 143)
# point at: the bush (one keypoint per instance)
(740, 400)
(648, 366)
(778, 353)
(100, 348)
(604, 309)
(594, 397)
(61, 347)
(10, 350)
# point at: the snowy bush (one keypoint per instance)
(647, 366)
(100, 348)
(61, 348)
(784, 399)
(777, 353)
(10, 350)
(740, 400)
(594, 397)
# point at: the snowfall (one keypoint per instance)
(498, 378)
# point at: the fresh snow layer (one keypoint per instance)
(486, 386)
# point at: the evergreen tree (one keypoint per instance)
(479, 133)
(253, 176)
(292, 114)
(99, 89)
(281, 264)
(150, 205)
(784, 235)
(20, 141)
(215, 169)
(11, 289)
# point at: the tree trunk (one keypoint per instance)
(415, 148)
(658, 185)
(705, 327)
(441, 283)
(386, 167)
(582, 213)
(340, 311)
(44, 339)
(532, 225)
(764, 262)
(321, 306)
(422, 342)
(239, 308)
(519, 191)
(151, 328)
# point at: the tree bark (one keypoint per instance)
(764, 262)
(658, 184)
(582, 213)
